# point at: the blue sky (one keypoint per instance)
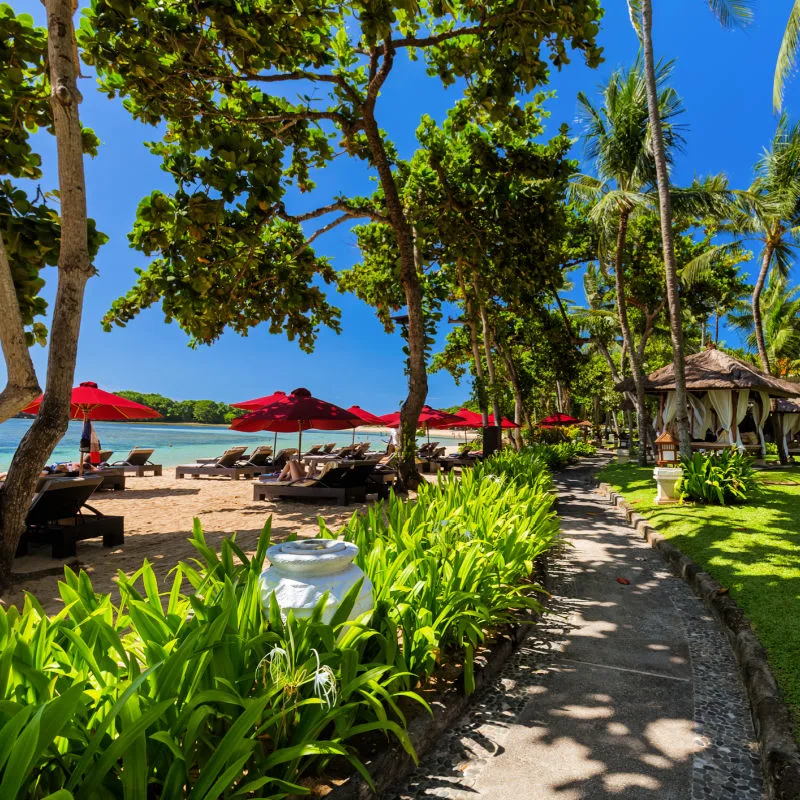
(724, 77)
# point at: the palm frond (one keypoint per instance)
(635, 13)
(700, 267)
(732, 13)
(787, 56)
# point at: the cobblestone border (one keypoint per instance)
(780, 756)
(392, 765)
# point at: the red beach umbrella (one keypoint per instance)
(428, 418)
(558, 419)
(366, 417)
(89, 402)
(504, 423)
(259, 402)
(298, 411)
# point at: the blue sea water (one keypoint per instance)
(174, 444)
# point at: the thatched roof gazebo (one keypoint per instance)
(788, 411)
(720, 388)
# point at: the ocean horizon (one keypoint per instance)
(174, 444)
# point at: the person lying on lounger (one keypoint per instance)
(292, 470)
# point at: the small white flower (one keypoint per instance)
(277, 662)
(325, 683)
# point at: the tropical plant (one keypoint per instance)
(455, 565)
(780, 317)
(176, 694)
(771, 214)
(787, 55)
(274, 93)
(728, 12)
(718, 478)
(619, 140)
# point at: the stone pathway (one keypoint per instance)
(622, 691)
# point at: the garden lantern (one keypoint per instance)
(667, 446)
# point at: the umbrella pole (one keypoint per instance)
(299, 440)
(354, 435)
(275, 445)
(80, 455)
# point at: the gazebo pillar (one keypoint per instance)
(735, 439)
(777, 432)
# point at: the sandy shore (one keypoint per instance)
(158, 520)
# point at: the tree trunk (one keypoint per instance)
(22, 385)
(74, 269)
(519, 406)
(665, 208)
(487, 349)
(758, 323)
(476, 353)
(412, 286)
(627, 337)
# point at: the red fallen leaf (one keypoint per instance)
(723, 590)
(624, 581)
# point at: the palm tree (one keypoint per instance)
(729, 13)
(787, 55)
(781, 321)
(618, 138)
(772, 215)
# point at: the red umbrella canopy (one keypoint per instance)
(259, 402)
(504, 423)
(469, 419)
(428, 418)
(297, 411)
(365, 417)
(558, 419)
(89, 402)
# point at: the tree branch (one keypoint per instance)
(22, 385)
(428, 41)
(338, 205)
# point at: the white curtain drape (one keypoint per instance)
(741, 413)
(702, 415)
(670, 410)
(722, 402)
(760, 415)
(791, 424)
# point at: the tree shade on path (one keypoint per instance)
(623, 690)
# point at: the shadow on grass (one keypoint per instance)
(752, 549)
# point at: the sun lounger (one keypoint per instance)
(58, 517)
(314, 451)
(280, 460)
(226, 466)
(113, 478)
(138, 462)
(342, 484)
(343, 452)
(329, 448)
(261, 458)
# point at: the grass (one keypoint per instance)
(752, 549)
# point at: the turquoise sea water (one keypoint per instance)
(174, 444)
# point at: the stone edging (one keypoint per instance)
(393, 764)
(780, 756)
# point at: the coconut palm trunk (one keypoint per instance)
(758, 324)
(633, 356)
(665, 208)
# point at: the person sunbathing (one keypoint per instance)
(292, 470)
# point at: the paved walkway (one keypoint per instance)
(623, 691)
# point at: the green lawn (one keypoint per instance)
(752, 549)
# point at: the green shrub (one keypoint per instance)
(191, 691)
(718, 478)
(772, 448)
(454, 564)
(179, 695)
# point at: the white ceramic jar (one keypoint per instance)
(301, 572)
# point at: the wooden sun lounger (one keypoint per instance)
(57, 516)
(342, 484)
(226, 466)
(138, 463)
